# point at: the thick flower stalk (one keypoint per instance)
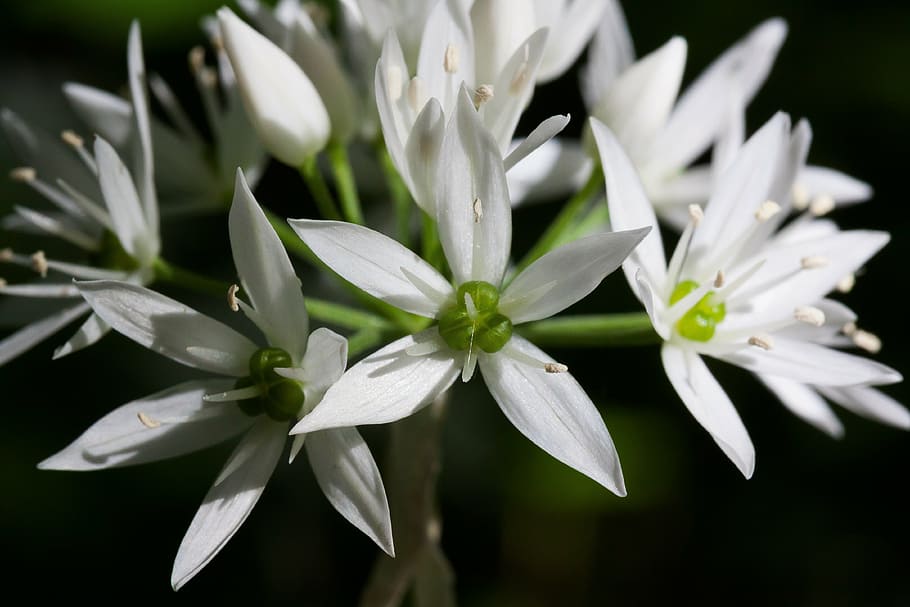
(473, 315)
(737, 289)
(267, 389)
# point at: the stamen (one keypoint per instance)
(809, 315)
(78, 144)
(6, 254)
(681, 253)
(719, 280)
(800, 196)
(318, 13)
(483, 94)
(23, 174)
(763, 341)
(478, 210)
(813, 262)
(72, 139)
(39, 263)
(196, 59)
(470, 363)
(849, 329)
(232, 298)
(821, 205)
(555, 368)
(233, 395)
(147, 421)
(519, 79)
(416, 94)
(208, 77)
(450, 60)
(217, 42)
(869, 342)
(767, 210)
(393, 82)
(3, 283)
(696, 214)
(846, 284)
(469, 306)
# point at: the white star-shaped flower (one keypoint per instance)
(271, 387)
(475, 313)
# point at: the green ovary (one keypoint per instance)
(700, 322)
(279, 397)
(112, 255)
(487, 328)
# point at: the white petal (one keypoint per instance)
(170, 328)
(41, 289)
(143, 159)
(89, 333)
(871, 403)
(709, 405)
(447, 26)
(805, 402)
(610, 53)
(59, 225)
(573, 270)
(558, 168)
(553, 411)
(543, 133)
(229, 502)
(266, 273)
(470, 169)
(500, 27)
(629, 208)
(672, 196)
(390, 83)
(349, 478)
(323, 364)
(106, 114)
(374, 262)
(27, 337)
(570, 33)
(385, 386)
(422, 150)
(120, 438)
(839, 186)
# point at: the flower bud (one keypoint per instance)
(282, 103)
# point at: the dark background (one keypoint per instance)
(822, 522)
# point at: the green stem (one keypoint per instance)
(592, 331)
(309, 170)
(169, 273)
(563, 222)
(345, 316)
(363, 340)
(401, 198)
(344, 181)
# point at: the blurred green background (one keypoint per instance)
(822, 522)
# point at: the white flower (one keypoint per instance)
(121, 234)
(282, 103)
(736, 290)
(475, 315)
(275, 385)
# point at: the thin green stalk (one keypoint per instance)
(175, 275)
(345, 316)
(401, 198)
(309, 170)
(592, 331)
(563, 222)
(345, 183)
(363, 340)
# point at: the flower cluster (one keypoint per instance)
(434, 91)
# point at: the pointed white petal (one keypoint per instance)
(610, 53)
(266, 273)
(106, 114)
(422, 150)
(476, 244)
(86, 272)
(349, 478)
(571, 31)
(170, 328)
(574, 270)
(90, 332)
(805, 402)
(447, 26)
(839, 186)
(41, 289)
(120, 438)
(630, 209)
(395, 116)
(374, 262)
(385, 386)
(323, 364)
(144, 160)
(871, 403)
(59, 225)
(500, 27)
(671, 197)
(27, 337)
(558, 168)
(553, 411)
(709, 405)
(229, 502)
(545, 131)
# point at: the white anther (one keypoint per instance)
(696, 214)
(71, 138)
(208, 77)
(196, 58)
(519, 79)
(813, 262)
(393, 82)
(821, 205)
(800, 196)
(478, 210)
(849, 329)
(217, 42)
(25, 174)
(767, 210)
(763, 341)
(555, 368)
(147, 421)
(869, 342)
(3, 282)
(846, 284)
(232, 298)
(416, 94)
(450, 60)
(39, 263)
(483, 94)
(719, 279)
(809, 315)
(6, 254)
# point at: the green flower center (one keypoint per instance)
(474, 320)
(112, 256)
(279, 397)
(700, 322)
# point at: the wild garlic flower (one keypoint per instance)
(474, 314)
(119, 235)
(737, 290)
(271, 387)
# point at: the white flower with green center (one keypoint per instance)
(118, 235)
(271, 387)
(475, 314)
(736, 290)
